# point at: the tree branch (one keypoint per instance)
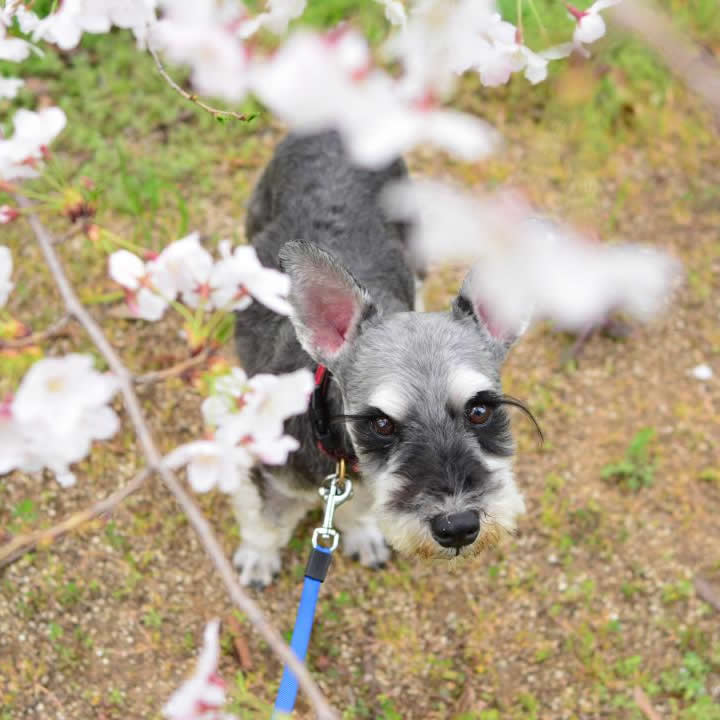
(691, 63)
(175, 370)
(18, 546)
(197, 520)
(55, 329)
(215, 112)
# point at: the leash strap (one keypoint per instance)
(315, 572)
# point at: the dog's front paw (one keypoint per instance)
(366, 543)
(257, 566)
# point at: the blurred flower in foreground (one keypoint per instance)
(9, 87)
(527, 266)
(275, 19)
(6, 266)
(248, 415)
(34, 131)
(60, 407)
(202, 695)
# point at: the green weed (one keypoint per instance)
(637, 470)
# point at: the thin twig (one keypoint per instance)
(691, 63)
(705, 591)
(201, 526)
(175, 370)
(55, 329)
(644, 704)
(18, 546)
(215, 112)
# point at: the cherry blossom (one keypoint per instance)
(12, 48)
(34, 131)
(217, 463)
(60, 407)
(147, 293)
(66, 26)
(590, 24)
(248, 416)
(6, 266)
(202, 695)
(394, 11)
(238, 277)
(276, 19)
(527, 265)
(62, 389)
(206, 36)
(316, 83)
(9, 87)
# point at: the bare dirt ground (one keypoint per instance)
(596, 596)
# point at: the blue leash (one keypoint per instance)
(315, 573)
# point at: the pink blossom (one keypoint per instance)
(202, 695)
(279, 14)
(527, 265)
(148, 293)
(13, 48)
(9, 87)
(66, 26)
(205, 36)
(239, 277)
(590, 24)
(60, 407)
(34, 131)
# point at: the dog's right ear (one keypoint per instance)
(469, 304)
(329, 305)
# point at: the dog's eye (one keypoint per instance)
(479, 414)
(383, 426)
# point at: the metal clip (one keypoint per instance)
(336, 494)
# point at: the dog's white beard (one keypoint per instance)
(409, 533)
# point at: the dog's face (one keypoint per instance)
(423, 406)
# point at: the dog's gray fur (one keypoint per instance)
(320, 220)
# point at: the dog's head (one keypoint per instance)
(423, 406)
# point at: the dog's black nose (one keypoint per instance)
(456, 530)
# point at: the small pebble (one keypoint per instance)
(702, 372)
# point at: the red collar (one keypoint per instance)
(327, 441)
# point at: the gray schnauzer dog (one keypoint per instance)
(415, 397)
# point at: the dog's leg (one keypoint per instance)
(360, 535)
(267, 518)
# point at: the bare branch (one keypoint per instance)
(705, 591)
(691, 63)
(644, 704)
(175, 370)
(215, 112)
(207, 538)
(18, 546)
(57, 328)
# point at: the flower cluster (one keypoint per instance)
(187, 270)
(202, 695)
(248, 416)
(527, 266)
(60, 407)
(319, 81)
(21, 153)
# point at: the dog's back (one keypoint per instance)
(310, 191)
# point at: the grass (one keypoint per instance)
(636, 470)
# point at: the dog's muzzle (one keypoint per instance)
(456, 530)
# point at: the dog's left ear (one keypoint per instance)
(329, 305)
(469, 304)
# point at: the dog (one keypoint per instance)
(415, 398)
